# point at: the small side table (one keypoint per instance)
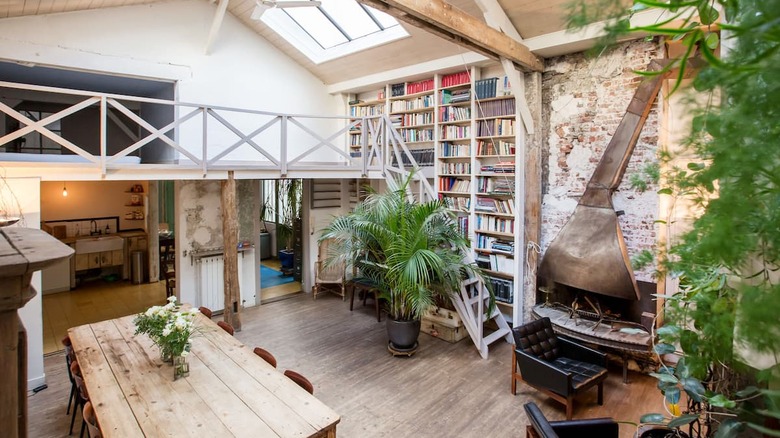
(355, 286)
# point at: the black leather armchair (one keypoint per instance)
(554, 365)
(595, 427)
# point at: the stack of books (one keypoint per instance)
(486, 88)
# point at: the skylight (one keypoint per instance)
(334, 29)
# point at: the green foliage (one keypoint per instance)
(411, 252)
(729, 260)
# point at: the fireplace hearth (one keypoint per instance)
(617, 325)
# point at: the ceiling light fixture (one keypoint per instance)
(64, 190)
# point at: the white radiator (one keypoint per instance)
(211, 283)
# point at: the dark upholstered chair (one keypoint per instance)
(554, 365)
(266, 355)
(541, 428)
(303, 382)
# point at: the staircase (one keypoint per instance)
(472, 302)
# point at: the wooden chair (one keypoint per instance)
(226, 327)
(303, 382)
(330, 277)
(541, 428)
(90, 419)
(82, 397)
(170, 283)
(266, 355)
(70, 357)
(206, 311)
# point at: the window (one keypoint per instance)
(335, 28)
(35, 142)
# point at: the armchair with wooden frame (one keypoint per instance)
(555, 365)
(329, 276)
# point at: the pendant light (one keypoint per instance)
(64, 190)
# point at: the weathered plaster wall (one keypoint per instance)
(584, 100)
(248, 209)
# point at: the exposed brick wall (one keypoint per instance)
(583, 102)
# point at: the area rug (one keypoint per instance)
(271, 277)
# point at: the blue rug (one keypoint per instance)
(271, 277)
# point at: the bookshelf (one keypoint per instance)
(465, 127)
(360, 108)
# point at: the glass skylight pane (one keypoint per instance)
(384, 19)
(317, 25)
(351, 17)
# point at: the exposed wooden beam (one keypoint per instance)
(496, 17)
(449, 22)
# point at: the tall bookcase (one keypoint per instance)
(357, 109)
(464, 127)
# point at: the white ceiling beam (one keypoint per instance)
(496, 17)
(219, 17)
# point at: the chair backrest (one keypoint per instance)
(206, 311)
(226, 327)
(538, 339)
(91, 419)
(266, 355)
(328, 273)
(79, 381)
(303, 382)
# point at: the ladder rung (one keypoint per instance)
(496, 335)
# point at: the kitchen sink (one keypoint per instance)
(99, 244)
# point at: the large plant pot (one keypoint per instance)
(403, 334)
(286, 258)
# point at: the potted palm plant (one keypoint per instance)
(412, 253)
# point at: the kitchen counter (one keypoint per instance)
(122, 234)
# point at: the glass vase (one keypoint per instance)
(180, 367)
(165, 355)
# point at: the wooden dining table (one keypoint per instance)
(229, 392)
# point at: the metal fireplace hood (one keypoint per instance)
(589, 252)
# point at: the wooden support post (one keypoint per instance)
(230, 236)
(533, 193)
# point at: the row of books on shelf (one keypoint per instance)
(490, 205)
(495, 127)
(492, 87)
(455, 96)
(496, 108)
(461, 203)
(397, 89)
(503, 289)
(366, 111)
(455, 150)
(454, 113)
(500, 167)
(496, 186)
(423, 157)
(414, 135)
(419, 86)
(463, 225)
(412, 104)
(495, 244)
(452, 184)
(455, 79)
(455, 168)
(417, 119)
(496, 224)
(495, 147)
(496, 262)
(455, 132)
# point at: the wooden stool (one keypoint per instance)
(366, 289)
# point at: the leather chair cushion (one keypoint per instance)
(582, 373)
(538, 339)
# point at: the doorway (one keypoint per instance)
(281, 239)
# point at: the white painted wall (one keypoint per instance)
(166, 40)
(27, 193)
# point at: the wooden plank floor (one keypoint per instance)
(443, 390)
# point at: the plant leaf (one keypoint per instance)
(765, 430)
(747, 392)
(712, 40)
(665, 377)
(721, 401)
(672, 395)
(682, 420)
(729, 428)
(665, 191)
(693, 388)
(652, 418)
(669, 330)
(707, 13)
(664, 348)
